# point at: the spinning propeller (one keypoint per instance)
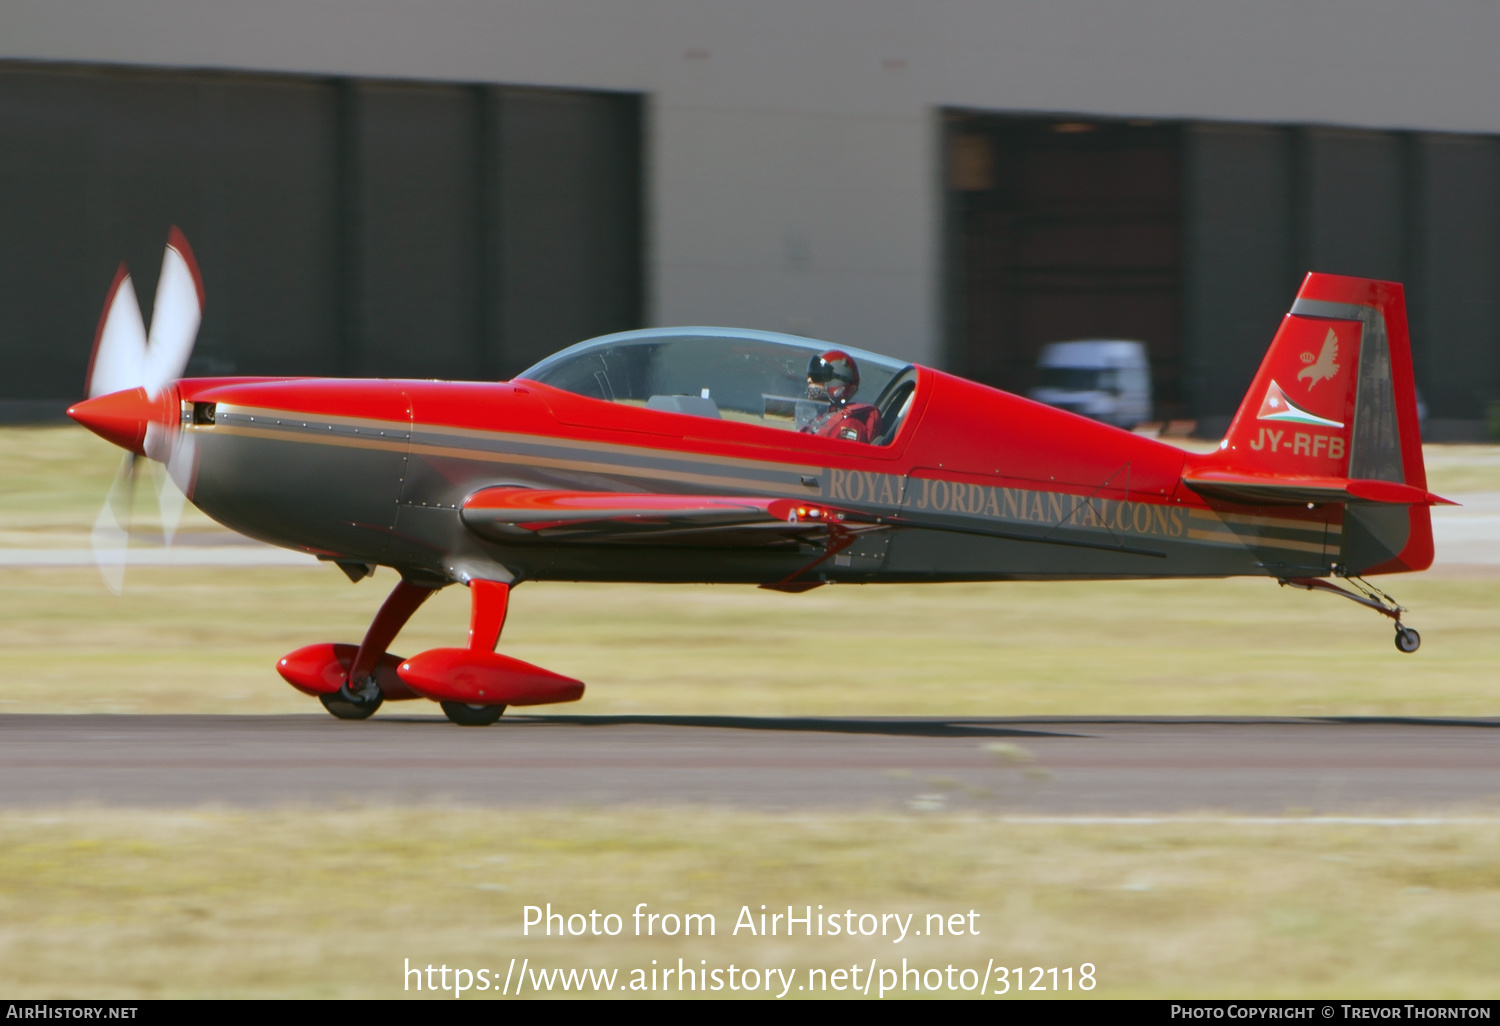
(133, 399)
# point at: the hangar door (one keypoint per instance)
(343, 226)
(1060, 229)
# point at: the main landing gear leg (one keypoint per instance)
(1407, 639)
(489, 602)
(360, 696)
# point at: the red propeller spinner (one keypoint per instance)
(123, 417)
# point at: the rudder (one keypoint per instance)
(1331, 416)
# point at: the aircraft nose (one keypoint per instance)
(121, 417)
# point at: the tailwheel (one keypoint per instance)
(349, 704)
(1407, 640)
(466, 715)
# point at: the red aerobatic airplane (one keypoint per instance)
(730, 456)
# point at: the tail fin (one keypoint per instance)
(1331, 417)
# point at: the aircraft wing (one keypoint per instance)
(1256, 489)
(518, 514)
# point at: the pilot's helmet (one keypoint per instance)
(834, 376)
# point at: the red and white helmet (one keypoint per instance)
(832, 375)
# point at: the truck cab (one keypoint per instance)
(1107, 380)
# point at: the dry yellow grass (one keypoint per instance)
(206, 639)
(299, 903)
(291, 902)
(1454, 469)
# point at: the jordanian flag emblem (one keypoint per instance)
(1276, 406)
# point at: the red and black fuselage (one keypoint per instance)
(978, 485)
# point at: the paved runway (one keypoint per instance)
(1036, 766)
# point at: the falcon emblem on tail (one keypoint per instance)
(1324, 367)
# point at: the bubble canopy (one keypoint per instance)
(729, 373)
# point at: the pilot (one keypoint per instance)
(833, 378)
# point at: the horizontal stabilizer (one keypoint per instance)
(1255, 489)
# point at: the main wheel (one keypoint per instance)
(346, 708)
(472, 715)
(1408, 640)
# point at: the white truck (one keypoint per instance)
(1104, 379)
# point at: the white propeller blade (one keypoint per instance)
(111, 535)
(175, 316)
(174, 480)
(125, 357)
(120, 350)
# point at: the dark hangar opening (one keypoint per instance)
(343, 226)
(1062, 228)
(1193, 236)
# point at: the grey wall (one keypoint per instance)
(793, 148)
(342, 227)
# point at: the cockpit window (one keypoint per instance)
(752, 377)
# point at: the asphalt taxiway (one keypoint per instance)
(1101, 766)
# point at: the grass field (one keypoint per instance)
(298, 902)
(302, 903)
(206, 639)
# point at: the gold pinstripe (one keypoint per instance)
(1257, 542)
(1311, 527)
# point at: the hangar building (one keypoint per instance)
(455, 188)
